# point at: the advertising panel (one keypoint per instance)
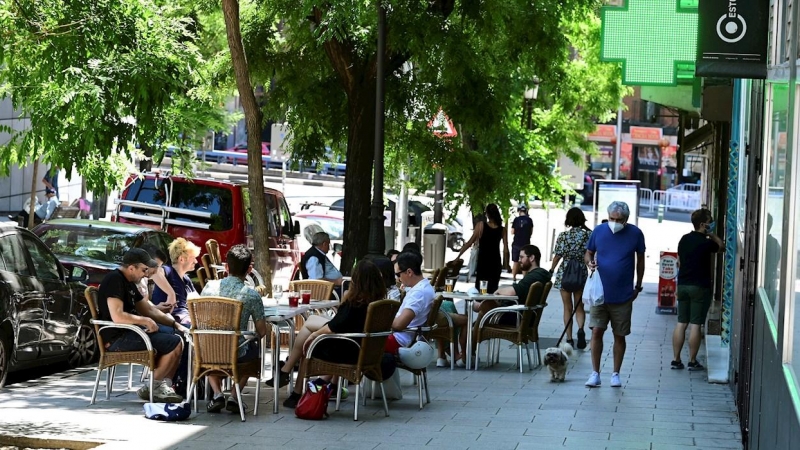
(667, 283)
(607, 191)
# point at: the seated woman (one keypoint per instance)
(366, 287)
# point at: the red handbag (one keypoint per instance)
(313, 405)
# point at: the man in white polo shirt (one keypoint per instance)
(417, 303)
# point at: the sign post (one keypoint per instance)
(667, 283)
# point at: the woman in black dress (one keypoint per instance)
(489, 233)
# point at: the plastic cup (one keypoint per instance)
(306, 295)
(294, 299)
(448, 284)
(484, 286)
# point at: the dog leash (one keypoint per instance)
(563, 333)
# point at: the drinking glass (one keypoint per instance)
(448, 284)
(277, 291)
(306, 295)
(294, 299)
(484, 286)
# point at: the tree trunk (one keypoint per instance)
(34, 184)
(252, 117)
(146, 163)
(357, 185)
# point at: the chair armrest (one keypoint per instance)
(344, 336)
(105, 324)
(422, 329)
(447, 318)
(518, 309)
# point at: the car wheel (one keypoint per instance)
(84, 349)
(5, 359)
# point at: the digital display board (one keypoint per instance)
(607, 191)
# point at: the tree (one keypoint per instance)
(95, 77)
(471, 58)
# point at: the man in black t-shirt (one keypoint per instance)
(529, 256)
(119, 301)
(695, 253)
(522, 229)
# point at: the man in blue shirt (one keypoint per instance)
(613, 250)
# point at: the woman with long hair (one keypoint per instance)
(489, 233)
(571, 245)
(367, 286)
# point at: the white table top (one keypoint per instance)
(466, 295)
(280, 310)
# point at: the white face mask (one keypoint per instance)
(615, 226)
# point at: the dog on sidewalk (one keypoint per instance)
(555, 358)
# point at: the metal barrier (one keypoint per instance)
(646, 198)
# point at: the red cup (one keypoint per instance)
(306, 295)
(293, 299)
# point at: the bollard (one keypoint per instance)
(660, 213)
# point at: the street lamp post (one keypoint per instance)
(376, 232)
(531, 93)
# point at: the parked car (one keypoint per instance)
(200, 209)
(314, 222)
(96, 245)
(588, 187)
(44, 317)
(242, 148)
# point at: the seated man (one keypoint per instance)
(238, 265)
(315, 264)
(42, 212)
(416, 305)
(119, 301)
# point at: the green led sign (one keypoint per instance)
(655, 40)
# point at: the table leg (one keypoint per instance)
(275, 375)
(468, 308)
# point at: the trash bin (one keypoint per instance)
(435, 243)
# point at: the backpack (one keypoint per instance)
(573, 276)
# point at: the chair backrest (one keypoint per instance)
(202, 276)
(434, 277)
(538, 316)
(533, 299)
(454, 268)
(212, 247)
(441, 275)
(210, 271)
(434, 314)
(320, 289)
(91, 299)
(215, 314)
(380, 315)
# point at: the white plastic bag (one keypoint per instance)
(593, 291)
(390, 386)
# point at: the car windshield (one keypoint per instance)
(89, 243)
(334, 227)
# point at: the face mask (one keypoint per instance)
(615, 226)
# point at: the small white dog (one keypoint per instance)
(555, 358)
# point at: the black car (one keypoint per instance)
(95, 245)
(43, 313)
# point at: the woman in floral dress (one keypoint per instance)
(571, 245)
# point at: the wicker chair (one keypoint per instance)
(377, 328)
(212, 248)
(454, 268)
(525, 332)
(434, 277)
(438, 279)
(262, 290)
(110, 360)
(215, 340)
(320, 289)
(212, 273)
(202, 276)
(421, 375)
(446, 331)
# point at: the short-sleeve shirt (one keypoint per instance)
(524, 285)
(419, 299)
(616, 259)
(182, 287)
(349, 319)
(523, 229)
(115, 285)
(694, 255)
(233, 287)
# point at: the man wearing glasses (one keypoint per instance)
(416, 304)
(119, 301)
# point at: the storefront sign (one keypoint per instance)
(645, 135)
(667, 283)
(603, 133)
(732, 41)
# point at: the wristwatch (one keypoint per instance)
(638, 288)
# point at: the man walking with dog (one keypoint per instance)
(695, 252)
(614, 249)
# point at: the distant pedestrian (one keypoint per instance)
(489, 234)
(613, 251)
(571, 246)
(50, 178)
(522, 229)
(392, 255)
(42, 212)
(695, 254)
(412, 247)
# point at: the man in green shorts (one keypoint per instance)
(695, 252)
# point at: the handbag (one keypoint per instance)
(313, 405)
(573, 276)
(593, 291)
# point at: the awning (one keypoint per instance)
(697, 138)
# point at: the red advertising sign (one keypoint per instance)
(603, 133)
(645, 135)
(667, 283)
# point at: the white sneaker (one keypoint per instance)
(615, 380)
(594, 380)
(165, 394)
(442, 362)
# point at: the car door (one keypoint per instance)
(279, 253)
(60, 326)
(26, 307)
(287, 239)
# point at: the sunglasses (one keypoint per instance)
(397, 274)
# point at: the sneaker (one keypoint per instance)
(581, 339)
(460, 363)
(284, 377)
(694, 366)
(677, 365)
(615, 380)
(233, 407)
(165, 394)
(291, 401)
(345, 393)
(144, 392)
(442, 362)
(594, 380)
(216, 404)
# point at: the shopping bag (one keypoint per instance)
(593, 290)
(573, 276)
(168, 412)
(313, 405)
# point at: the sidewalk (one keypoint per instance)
(494, 408)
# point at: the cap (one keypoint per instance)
(49, 191)
(522, 208)
(138, 256)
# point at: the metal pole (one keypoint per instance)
(283, 176)
(618, 146)
(402, 208)
(376, 232)
(438, 197)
